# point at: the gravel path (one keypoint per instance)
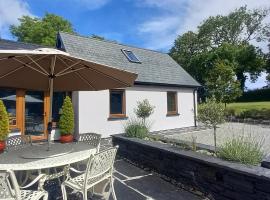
(259, 133)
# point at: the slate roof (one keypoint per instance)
(155, 67)
(12, 45)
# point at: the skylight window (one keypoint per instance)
(130, 56)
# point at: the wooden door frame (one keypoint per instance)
(20, 113)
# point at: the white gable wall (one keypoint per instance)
(92, 109)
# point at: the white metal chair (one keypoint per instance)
(99, 168)
(18, 141)
(10, 190)
(91, 139)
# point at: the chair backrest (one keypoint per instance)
(100, 164)
(91, 139)
(18, 141)
(9, 188)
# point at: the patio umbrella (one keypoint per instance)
(28, 99)
(51, 70)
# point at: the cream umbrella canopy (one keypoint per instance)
(47, 69)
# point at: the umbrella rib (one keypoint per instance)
(64, 70)
(99, 72)
(53, 65)
(29, 66)
(11, 72)
(108, 76)
(86, 81)
(75, 70)
(33, 61)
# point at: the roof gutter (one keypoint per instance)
(166, 84)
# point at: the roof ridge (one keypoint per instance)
(112, 42)
(26, 43)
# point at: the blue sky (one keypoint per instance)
(152, 24)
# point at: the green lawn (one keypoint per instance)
(238, 107)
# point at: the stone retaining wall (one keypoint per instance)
(219, 179)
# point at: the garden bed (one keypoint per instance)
(218, 178)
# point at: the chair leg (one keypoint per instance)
(85, 195)
(64, 192)
(46, 196)
(112, 188)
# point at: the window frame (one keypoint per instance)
(118, 115)
(127, 56)
(174, 112)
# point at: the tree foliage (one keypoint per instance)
(66, 122)
(144, 110)
(40, 31)
(4, 122)
(211, 114)
(239, 26)
(222, 84)
(224, 38)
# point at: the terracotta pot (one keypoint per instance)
(66, 138)
(2, 146)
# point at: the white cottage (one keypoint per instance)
(161, 80)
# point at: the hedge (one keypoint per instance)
(255, 95)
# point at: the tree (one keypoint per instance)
(144, 110)
(211, 114)
(187, 51)
(240, 26)
(66, 122)
(4, 122)
(40, 31)
(222, 83)
(224, 37)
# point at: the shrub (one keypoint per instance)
(245, 150)
(4, 122)
(137, 129)
(230, 112)
(255, 114)
(66, 122)
(211, 114)
(144, 109)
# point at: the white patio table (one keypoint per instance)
(37, 157)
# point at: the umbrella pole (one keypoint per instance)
(49, 126)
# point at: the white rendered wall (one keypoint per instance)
(93, 110)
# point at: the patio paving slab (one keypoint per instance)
(156, 188)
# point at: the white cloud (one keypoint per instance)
(179, 16)
(170, 5)
(90, 4)
(10, 11)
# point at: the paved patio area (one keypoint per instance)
(132, 183)
(260, 133)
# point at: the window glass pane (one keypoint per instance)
(131, 56)
(9, 99)
(171, 101)
(34, 113)
(116, 102)
(58, 100)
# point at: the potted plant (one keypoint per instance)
(66, 122)
(4, 126)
